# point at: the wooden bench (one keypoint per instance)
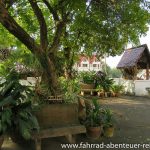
(58, 120)
(88, 90)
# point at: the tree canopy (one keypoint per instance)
(48, 27)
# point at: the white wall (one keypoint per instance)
(137, 87)
(140, 87)
(129, 85)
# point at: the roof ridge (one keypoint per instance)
(143, 45)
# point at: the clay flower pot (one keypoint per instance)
(94, 132)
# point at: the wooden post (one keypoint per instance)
(38, 144)
(147, 72)
(71, 139)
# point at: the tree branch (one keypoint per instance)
(13, 27)
(43, 27)
(56, 40)
(58, 33)
(52, 10)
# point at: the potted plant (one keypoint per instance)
(93, 122)
(87, 80)
(106, 83)
(117, 89)
(100, 91)
(108, 124)
(16, 108)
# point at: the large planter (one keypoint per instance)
(109, 132)
(87, 86)
(94, 132)
(54, 115)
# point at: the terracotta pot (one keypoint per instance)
(94, 132)
(100, 94)
(1, 141)
(117, 94)
(109, 132)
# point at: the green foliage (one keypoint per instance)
(94, 116)
(108, 118)
(16, 107)
(116, 88)
(96, 25)
(88, 77)
(111, 72)
(5, 121)
(99, 88)
(105, 82)
(23, 57)
(115, 73)
(70, 89)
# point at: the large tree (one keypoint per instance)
(47, 27)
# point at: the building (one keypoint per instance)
(86, 63)
(134, 60)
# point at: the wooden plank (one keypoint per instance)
(147, 72)
(59, 131)
(89, 90)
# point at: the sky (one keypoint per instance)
(113, 61)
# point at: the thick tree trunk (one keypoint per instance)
(50, 72)
(69, 63)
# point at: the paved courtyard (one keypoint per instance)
(132, 125)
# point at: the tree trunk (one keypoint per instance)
(50, 72)
(69, 63)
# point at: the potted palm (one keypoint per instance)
(108, 124)
(117, 89)
(93, 122)
(106, 84)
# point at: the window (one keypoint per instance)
(84, 65)
(94, 65)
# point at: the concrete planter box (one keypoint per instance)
(87, 86)
(54, 115)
